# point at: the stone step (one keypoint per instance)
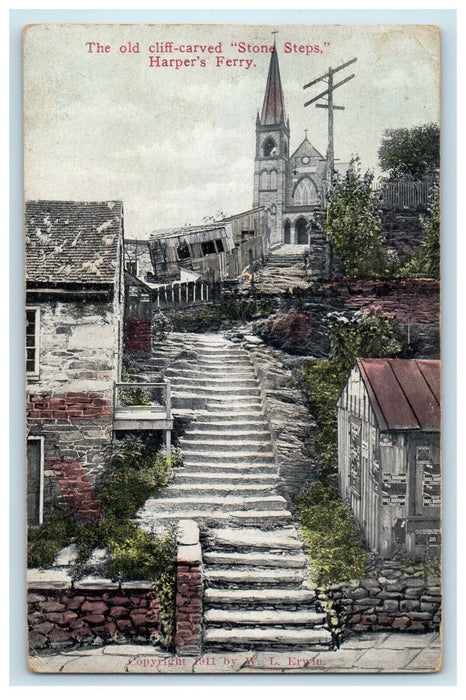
(233, 416)
(200, 489)
(262, 618)
(264, 559)
(243, 456)
(238, 468)
(256, 597)
(207, 502)
(229, 392)
(234, 405)
(254, 518)
(238, 576)
(212, 478)
(285, 540)
(268, 636)
(215, 437)
(235, 444)
(231, 426)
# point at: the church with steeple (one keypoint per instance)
(290, 188)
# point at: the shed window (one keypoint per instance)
(183, 252)
(208, 247)
(32, 342)
(219, 244)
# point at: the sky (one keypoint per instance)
(177, 144)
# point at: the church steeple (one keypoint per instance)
(273, 109)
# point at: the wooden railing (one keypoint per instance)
(139, 397)
(167, 296)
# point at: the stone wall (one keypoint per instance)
(92, 614)
(70, 400)
(395, 596)
(291, 425)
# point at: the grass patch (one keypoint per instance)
(334, 544)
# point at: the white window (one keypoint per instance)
(35, 480)
(305, 193)
(32, 342)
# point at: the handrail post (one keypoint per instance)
(168, 398)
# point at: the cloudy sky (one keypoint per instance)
(178, 145)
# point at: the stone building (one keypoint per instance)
(291, 188)
(389, 454)
(74, 301)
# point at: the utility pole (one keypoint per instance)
(327, 96)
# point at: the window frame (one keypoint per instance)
(33, 374)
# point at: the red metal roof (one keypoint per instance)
(405, 394)
(273, 109)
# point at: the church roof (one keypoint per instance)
(307, 149)
(273, 109)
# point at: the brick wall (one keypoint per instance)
(71, 617)
(137, 336)
(189, 590)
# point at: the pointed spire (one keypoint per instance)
(273, 109)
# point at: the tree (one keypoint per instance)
(426, 262)
(410, 152)
(353, 224)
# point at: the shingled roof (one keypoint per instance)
(72, 242)
(404, 394)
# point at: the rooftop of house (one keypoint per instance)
(404, 394)
(72, 242)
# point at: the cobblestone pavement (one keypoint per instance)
(368, 653)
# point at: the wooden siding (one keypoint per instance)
(380, 477)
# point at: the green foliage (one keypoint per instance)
(165, 593)
(410, 152)
(426, 262)
(136, 554)
(138, 473)
(134, 397)
(44, 542)
(353, 224)
(363, 334)
(214, 316)
(335, 548)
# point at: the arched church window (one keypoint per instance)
(305, 193)
(269, 148)
(273, 179)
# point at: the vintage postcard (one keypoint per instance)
(232, 348)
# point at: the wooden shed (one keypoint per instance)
(389, 454)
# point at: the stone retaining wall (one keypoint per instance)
(86, 615)
(394, 596)
(291, 425)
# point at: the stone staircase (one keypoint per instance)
(256, 590)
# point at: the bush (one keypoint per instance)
(139, 472)
(368, 333)
(44, 542)
(335, 547)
